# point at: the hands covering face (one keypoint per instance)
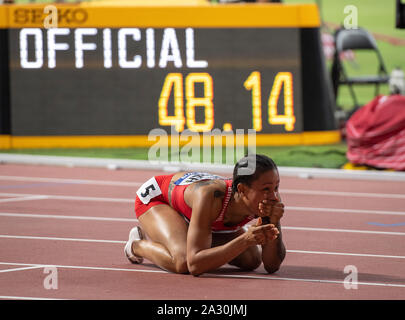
(272, 209)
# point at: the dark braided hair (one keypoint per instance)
(249, 168)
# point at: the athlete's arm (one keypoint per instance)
(200, 256)
(273, 253)
(273, 250)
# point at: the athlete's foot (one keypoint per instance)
(135, 234)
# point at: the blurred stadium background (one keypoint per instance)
(378, 17)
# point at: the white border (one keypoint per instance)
(113, 164)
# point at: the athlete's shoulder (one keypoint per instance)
(209, 191)
(194, 177)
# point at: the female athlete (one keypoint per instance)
(192, 222)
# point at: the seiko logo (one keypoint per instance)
(37, 16)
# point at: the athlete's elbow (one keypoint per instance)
(194, 269)
(272, 268)
(194, 266)
(196, 272)
(181, 268)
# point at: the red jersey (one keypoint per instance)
(155, 191)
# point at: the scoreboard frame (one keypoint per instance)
(296, 107)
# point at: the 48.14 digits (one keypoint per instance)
(173, 85)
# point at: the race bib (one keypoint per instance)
(191, 177)
(148, 191)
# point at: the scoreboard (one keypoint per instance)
(121, 71)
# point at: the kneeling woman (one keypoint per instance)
(193, 222)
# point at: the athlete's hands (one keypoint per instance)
(260, 234)
(272, 209)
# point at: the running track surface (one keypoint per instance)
(77, 221)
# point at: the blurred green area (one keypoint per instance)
(376, 16)
(325, 156)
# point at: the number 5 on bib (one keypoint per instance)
(149, 190)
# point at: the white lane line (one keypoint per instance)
(343, 194)
(135, 220)
(53, 216)
(338, 210)
(346, 254)
(83, 267)
(292, 251)
(219, 276)
(345, 230)
(6, 236)
(137, 184)
(28, 198)
(123, 242)
(283, 228)
(19, 269)
(28, 298)
(303, 280)
(73, 181)
(129, 200)
(290, 208)
(74, 198)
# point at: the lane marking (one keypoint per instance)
(28, 198)
(50, 216)
(162, 166)
(74, 198)
(137, 184)
(134, 220)
(73, 217)
(304, 280)
(346, 254)
(28, 298)
(338, 210)
(74, 181)
(387, 224)
(283, 228)
(84, 267)
(343, 194)
(220, 276)
(4, 236)
(345, 230)
(34, 185)
(132, 201)
(123, 242)
(19, 269)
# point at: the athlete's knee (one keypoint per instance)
(180, 264)
(248, 260)
(250, 264)
(179, 261)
